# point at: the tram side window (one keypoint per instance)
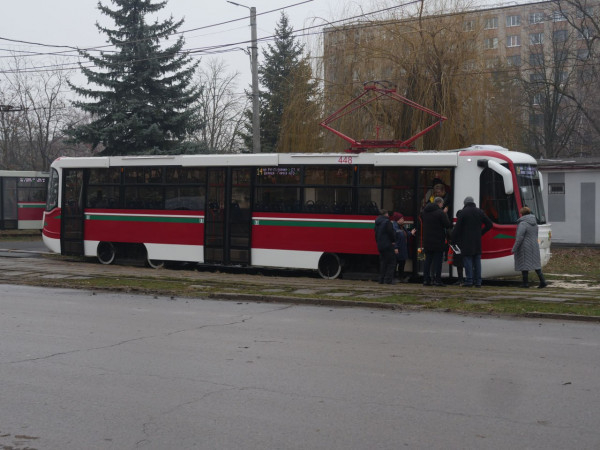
(52, 198)
(73, 198)
(103, 188)
(186, 188)
(278, 175)
(143, 188)
(278, 189)
(497, 205)
(328, 190)
(185, 175)
(398, 190)
(142, 175)
(32, 189)
(277, 199)
(369, 190)
(328, 200)
(337, 175)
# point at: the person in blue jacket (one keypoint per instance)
(401, 247)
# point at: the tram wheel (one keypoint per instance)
(330, 266)
(155, 263)
(106, 252)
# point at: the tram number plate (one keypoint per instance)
(345, 160)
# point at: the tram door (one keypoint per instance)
(71, 236)
(228, 216)
(8, 208)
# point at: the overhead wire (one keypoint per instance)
(208, 50)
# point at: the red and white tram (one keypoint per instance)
(301, 211)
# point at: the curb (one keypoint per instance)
(570, 317)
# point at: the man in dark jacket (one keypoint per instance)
(470, 226)
(385, 238)
(435, 223)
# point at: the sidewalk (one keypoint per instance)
(31, 268)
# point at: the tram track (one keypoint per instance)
(26, 267)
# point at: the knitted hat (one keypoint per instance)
(469, 199)
(397, 216)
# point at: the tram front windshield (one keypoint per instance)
(531, 191)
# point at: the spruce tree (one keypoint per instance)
(143, 95)
(279, 73)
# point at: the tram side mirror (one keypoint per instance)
(502, 171)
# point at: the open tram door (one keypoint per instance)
(228, 216)
(72, 217)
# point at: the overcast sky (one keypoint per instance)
(72, 23)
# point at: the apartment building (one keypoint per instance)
(537, 44)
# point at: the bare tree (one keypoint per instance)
(38, 99)
(583, 18)
(11, 129)
(220, 108)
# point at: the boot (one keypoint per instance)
(525, 282)
(540, 275)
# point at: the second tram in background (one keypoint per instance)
(22, 199)
(298, 211)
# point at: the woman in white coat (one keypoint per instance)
(527, 249)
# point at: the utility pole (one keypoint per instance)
(254, 64)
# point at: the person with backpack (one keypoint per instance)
(471, 224)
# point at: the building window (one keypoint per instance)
(513, 60)
(513, 21)
(582, 13)
(583, 54)
(491, 63)
(470, 65)
(536, 120)
(536, 17)
(468, 25)
(536, 38)
(584, 33)
(538, 98)
(560, 56)
(536, 78)
(563, 77)
(558, 16)
(559, 36)
(490, 43)
(513, 41)
(491, 23)
(556, 188)
(536, 59)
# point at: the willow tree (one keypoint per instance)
(141, 93)
(430, 57)
(300, 130)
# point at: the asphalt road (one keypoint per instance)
(111, 371)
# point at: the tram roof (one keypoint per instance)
(433, 158)
(23, 173)
(267, 159)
